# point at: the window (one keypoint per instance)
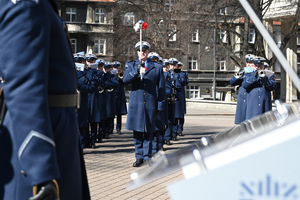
(195, 36)
(71, 15)
(168, 5)
(193, 92)
(251, 36)
(193, 63)
(223, 36)
(221, 64)
(172, 32)
(298, 38)
(223, 11)
(74, 45)
(100, 16)
(100, 46)
(128, 19)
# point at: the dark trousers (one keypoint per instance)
(155, 142)
(94, 132)
(101, 129)
(119, 122)
(143, 145)
(179, 122)
(109, 125)
(84, 137)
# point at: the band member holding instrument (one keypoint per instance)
(120, 100)
(145, 102)
(259, 87)
(237, 80)
(111, 84)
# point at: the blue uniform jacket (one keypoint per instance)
(180, 106)
(259, 94)
(86, 85)
(96, 101)
(112, 83)
(162, 118)
(120, 100)
(143, 100)
(241, 107)
(40, 142)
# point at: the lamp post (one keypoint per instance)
(214, 55)
(207, 49)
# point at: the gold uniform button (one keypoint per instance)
(258, 104)
(258, 96)
(144, 102)
(144, 93)
(244, 100)
(144, 84)
(245, 93)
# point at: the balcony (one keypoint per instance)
(80, 27)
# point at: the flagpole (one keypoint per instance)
(141, 48)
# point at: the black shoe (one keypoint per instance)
(174, 139)
(168, 142)
(119, 132)
(180, 133)
(161, 149)
(99, 140)
(138, 163)
(112, 131)
(106, 137)
(93, 146)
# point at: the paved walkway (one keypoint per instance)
(109, 165)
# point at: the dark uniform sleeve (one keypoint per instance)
(114, 81)
(250, 81)
(130, 73)
(270, 83)
(161, 90)
(236, 81)
(24, 56)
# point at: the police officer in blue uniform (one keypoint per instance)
(39, 137)
(168, 81)
(259, 87)
(86, 84)
(176, 92)
(94, 117)
(237, 80)
(120, 99)
(145, 101)
(111, 84)
(180, 106)
(159, 119)
(101, 99)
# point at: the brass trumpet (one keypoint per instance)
(120, 75)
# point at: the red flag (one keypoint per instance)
(144, 25)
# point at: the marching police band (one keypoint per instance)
(155, 112)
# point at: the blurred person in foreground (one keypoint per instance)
(39, 140)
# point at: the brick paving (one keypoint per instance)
(109, 165)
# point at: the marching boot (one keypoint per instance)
(138, 163)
